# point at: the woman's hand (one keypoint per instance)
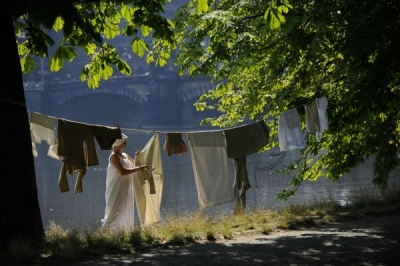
(145, 166)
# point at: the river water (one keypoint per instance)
(179, 193)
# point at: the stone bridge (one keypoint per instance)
(135, 101)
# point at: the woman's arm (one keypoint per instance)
(115, 161)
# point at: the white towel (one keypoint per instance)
(290, 134)
(43, 129)
(211, 170)
(322, 105)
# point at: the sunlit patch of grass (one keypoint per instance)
(148, 236)
(239, 222)
(261, 220)
(69, 245)
(63, 242)
(224, 227)
(287, 221)
(181, 229)
(56, 233)
(98, 241)
(266, 229)
(306, 213)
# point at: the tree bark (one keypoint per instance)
(20, 217)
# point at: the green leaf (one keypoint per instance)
(56, 64)
(111, 30)
(83, 76)
(70, 53)
(94, 81)
(273, 18)
(126, 12)
(107, 72)
(23, 50)
(139, 46)
(123, 67)
(202, 6)
(145, 30)
(90, 48)
(58, 24)
(162, 62)
(27, 64)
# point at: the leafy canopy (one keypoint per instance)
(86, 25)
(267, 57)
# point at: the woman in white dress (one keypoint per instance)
(119, 195)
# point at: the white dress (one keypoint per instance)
(120, 198)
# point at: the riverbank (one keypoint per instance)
(369, 240)
(319, 232)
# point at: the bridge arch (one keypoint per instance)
(148, 100)
(102, 109)
(134, 89)
(190, 92)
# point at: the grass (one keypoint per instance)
(70, 245)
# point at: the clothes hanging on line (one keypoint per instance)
(210, 166)
(247, 139)
(76, 146)
(322, 105)
(312, 119)
(241, 142)
(174, 144)
(290, 134)
(43, 128)
(149, 183)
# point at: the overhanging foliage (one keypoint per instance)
(88, 25)
(267, 57)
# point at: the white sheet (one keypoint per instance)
(210, 166)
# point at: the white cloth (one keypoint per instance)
(312, 119)
(322, 105)
(211, 170)
(147, 204)
(43, 129)
(120, 211)
(290, 134)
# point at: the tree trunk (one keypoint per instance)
(20, 217)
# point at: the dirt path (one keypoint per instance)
(370, 241)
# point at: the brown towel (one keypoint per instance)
(174, 144)
(245, 140)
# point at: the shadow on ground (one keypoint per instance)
(370, 241)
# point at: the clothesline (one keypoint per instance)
(172, 131)
(235, 143)
(188, 131)
(153, 130)
(215, 130)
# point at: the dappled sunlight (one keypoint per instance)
(354, 243)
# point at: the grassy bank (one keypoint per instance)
(68, 246)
